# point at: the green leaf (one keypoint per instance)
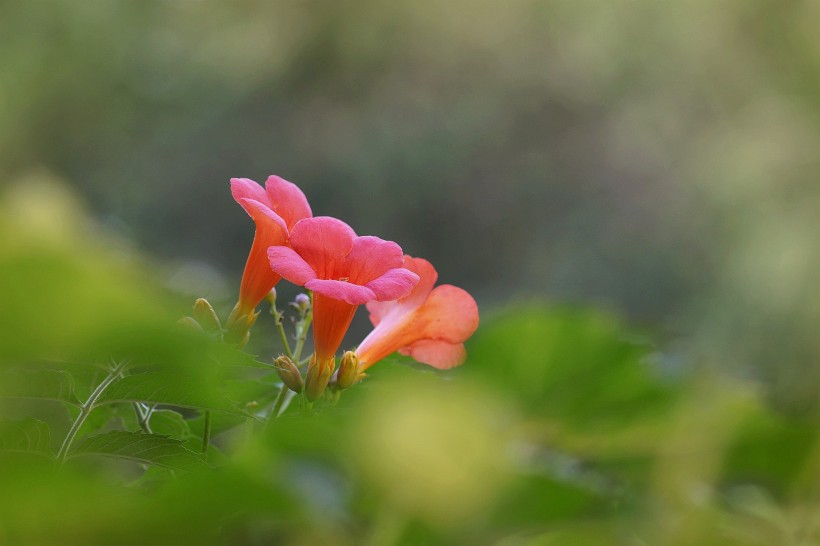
(151, 449)
(581, 367)
(170, 423)
(25, 436)
(770, 450)
(173, 389)
(39, 383)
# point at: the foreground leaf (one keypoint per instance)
(41, 384)
(170, 423)
(151, 449)
(25, 436)
(167, 388)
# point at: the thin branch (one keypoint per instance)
(86, 408)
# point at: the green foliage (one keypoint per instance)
(545, 355)
(563, 427)
(148, 449)
(25, 436)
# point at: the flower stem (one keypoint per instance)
(302, 328)
(280, 400)
(86, 408)
(282, 336)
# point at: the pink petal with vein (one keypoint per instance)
(245, 188)
(394, 284)
(370, 258)
(427, 279)
(323, 242)
(264, 217)
(287, 263)
(287, 200)
(341, 290)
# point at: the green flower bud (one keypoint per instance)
(271, 297)
(289, 373)
(206, 316)
(190, 322)
(239, 332)
(349, 373)
(318, 375)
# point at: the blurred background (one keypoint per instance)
(658, 159)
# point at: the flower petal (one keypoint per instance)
(257, 279)
(379, 309)
(427, 279)
(245, 188)
(266, 219)
(394, 284)
(449, 314)
(370, 258)
(287, 200)
(323, 242)
(331, 319)
(436, 353)
(287, 263)
(340, 290)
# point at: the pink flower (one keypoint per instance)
(429, 325)
(275, 209)
(343, 271)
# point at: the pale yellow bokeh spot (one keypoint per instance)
(435, 450)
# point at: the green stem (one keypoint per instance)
(143, 417)
(86, 408)
(302, 328)
(282, 336)
(206, 435)
(280, 400)
(304, 325)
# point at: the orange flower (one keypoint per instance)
(275, 209)
(430, 324)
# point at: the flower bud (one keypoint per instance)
(318, 375)
(190, 322)
(206, 316)
(302, 301)
(239, 332)
(271, 297)
(289, 373)
(349, 373)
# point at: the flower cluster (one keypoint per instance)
(344, 270)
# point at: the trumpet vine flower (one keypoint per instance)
(344, 271)
(430, 324)
(275, 209)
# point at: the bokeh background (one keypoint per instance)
(658, 159)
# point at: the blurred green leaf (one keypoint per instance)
(57, 385)
(26, 436)
(169, 423)
(137, 447)
(168, 388)
(578, 366)
(769, 450)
